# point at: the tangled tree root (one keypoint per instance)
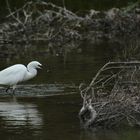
(44, 21)
(41, 21)
(113, 96)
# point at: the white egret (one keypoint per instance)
(15, 74)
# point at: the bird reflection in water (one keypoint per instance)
(14, 114)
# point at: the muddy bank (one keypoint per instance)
(63, 30)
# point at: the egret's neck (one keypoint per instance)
(31, 72)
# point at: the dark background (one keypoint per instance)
(74, 5)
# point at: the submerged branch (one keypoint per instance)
(114, 98)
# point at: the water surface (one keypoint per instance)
(50, 118)
(47, 107)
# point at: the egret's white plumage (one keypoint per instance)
(15, 74)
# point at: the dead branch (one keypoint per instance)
(45, 21)
(113, 97)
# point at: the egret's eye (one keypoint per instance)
(17, 73)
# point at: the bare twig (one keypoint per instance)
(120, 102)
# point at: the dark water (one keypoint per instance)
(75, 68)
(50, 118)
(40, 118)
(47, 107)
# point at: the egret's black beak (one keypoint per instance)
(39, 66)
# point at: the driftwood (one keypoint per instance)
(61, 28)
(113, 96)
(41, 21)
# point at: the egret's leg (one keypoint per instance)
(14, 87)
(13, 92)
(7, 89)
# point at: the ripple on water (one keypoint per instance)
(41, 90)
(15, 117)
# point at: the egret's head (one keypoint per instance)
(35, 65)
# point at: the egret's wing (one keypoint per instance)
(12, 75)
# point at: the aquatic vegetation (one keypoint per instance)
(112, 98)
